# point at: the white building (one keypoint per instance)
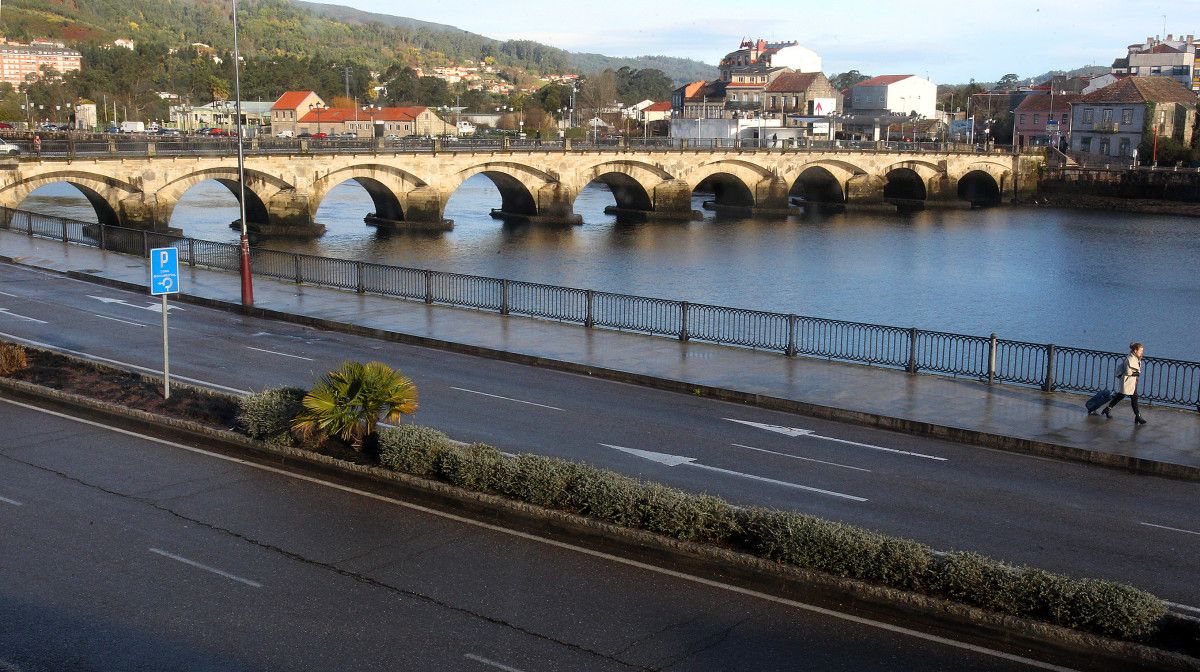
(896, 94)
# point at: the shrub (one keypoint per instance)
(12, 359)
(412, 449)
(268, 415)
(538, 480)
(605, 495)
(684, 516)
(1103, 607)
(476, 466)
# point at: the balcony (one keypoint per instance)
(1106, 127)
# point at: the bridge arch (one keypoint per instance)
(979, 188)
(104, 193)
(634, 184)
(818, 184)
(387, 186)
(905, 186)
(522, 188)
(260, 189)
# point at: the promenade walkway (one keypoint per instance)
(1005, 416)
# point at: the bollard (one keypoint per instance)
(588, 320)
(191, 251)
(299, 271)
(145, 244)
(428, 286)
(912, 350)
(65, 239)
(790, 350)
(991, 374)
(1048, 386)
(504, 297)
(683, 321)
(103, 235)
(359, 285)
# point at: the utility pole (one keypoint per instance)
(347, 73)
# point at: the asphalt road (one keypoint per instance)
(1067, 517)
(124, 553)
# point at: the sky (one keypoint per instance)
(948, 42)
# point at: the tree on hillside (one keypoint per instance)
(845, 80)
(404, 86)
(634, 85)
(1008, 82)
(598, 92)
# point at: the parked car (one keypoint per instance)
(218, 131)
(320, 136)
(169, 132)
(391, 136)
(112, 129)
(9, 149)
(285, 134)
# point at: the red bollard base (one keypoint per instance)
(247, 282)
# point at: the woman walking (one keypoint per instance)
(1129, 380)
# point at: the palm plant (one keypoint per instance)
(350, 402)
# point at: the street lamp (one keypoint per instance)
(247, 282)
(317, 109)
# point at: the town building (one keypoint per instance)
(256, 116)
(1112, 121)
(781, 81)
(1100, 81)
(1173, 57)
(21, 63)
(895, 94)
(655, 112)
(290, 107)
(1044, 119)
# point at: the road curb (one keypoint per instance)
(1133, 464)
(930, 615)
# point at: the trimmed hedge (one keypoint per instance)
(267, 415)
(796, 539)
(12, 359)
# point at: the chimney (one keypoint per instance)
(1170, 37)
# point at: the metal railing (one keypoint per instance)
(987, 358)
(149, 146)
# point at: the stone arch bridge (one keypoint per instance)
(410, 189)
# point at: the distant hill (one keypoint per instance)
(1085, 71)
(679, 69)
(682, 70)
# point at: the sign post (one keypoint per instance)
(164, 280)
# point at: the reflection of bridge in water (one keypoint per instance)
(284, 191)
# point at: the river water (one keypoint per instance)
(1082, 278)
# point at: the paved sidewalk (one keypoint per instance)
(1009, 417)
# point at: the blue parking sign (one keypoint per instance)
(164, 271)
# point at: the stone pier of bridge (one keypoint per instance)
(409, 190)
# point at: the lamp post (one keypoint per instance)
(317, 109)
(247, 281)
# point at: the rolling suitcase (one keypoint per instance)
(1101, 398)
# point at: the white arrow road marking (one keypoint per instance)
(797, 457)
(281, 354)
(6, 311)
(1173, 529)
(214, 570)
(676, 460)
(14, 502)
(153, 307)
(490, 663)
(796, 431)
(1182, 607)
(496, 396)
(7, 294)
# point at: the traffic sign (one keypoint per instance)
(164, 271)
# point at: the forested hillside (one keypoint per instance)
(301, 29)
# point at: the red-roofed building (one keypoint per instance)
(1112, 121)
(379, 122)
(895, 94)
(656, 112)
(290, 107)
(1044, 118)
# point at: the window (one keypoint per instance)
(1089, 116)
(1064, 119)
(1105, 147)
(1106, 115)
(1037, 119)
(1124, 147)
(1127, 116)
(1022, 120)
(1156, 70)
(1085, 145)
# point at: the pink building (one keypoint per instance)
(1043, 118)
